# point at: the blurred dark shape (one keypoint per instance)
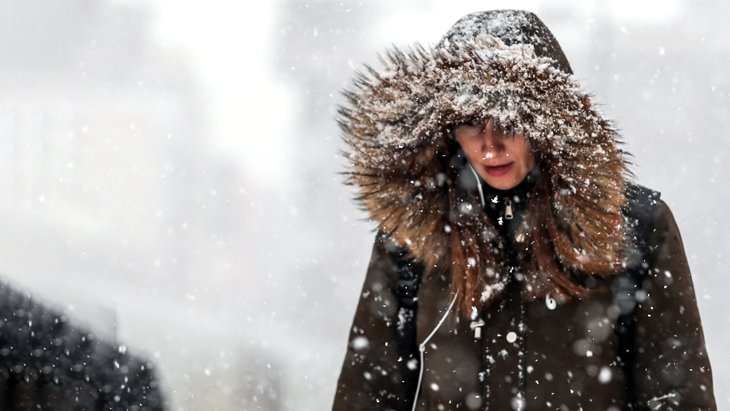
(47, 363)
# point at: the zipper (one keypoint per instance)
(476, 326)
(518, 336)
(508, 214)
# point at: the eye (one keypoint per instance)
(472, 122)
(470, 128)
(508, 131)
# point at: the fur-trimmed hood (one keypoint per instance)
(504, 65)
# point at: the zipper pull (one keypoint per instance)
(508, 209)
(477, 327)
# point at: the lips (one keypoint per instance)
(498, 171)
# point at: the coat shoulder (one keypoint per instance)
(641, 202)
(640, 210)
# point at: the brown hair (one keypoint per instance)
(545, 254)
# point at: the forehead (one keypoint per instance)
(485, 122)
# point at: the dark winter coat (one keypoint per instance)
(47, 363)
(562, 357)
(528, 343)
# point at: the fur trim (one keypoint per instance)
(396, 124)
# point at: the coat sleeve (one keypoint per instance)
(672, 367)
(375, 374)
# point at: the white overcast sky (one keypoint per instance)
(229, 47)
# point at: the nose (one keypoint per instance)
(492, 140)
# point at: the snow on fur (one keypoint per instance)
(397, 124)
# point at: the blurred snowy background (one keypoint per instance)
(168, 169)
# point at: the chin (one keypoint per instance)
(502, 185)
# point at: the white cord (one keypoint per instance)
(422, 349)
(422, 346)
(479, 185)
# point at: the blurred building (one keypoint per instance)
(112, 207)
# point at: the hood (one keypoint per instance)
(406, 166)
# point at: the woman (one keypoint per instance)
(516, 267)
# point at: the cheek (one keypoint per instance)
(466, 144)
(471, 149)
(526, 154)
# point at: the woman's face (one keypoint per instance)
(501, 159)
